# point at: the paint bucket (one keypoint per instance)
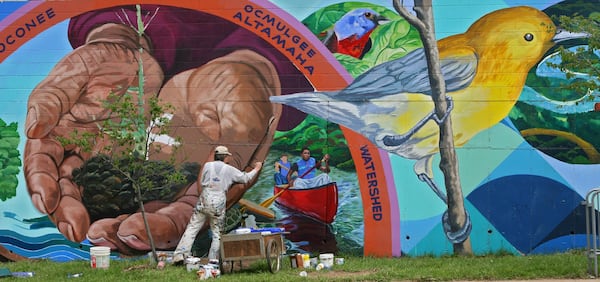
(293, 261)
(192, 264)
(326, 260)
(306, 260)
(100, 257)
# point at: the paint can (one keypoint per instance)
(100, 257)
(326, 260)
(293, 261)
(192, 264)
(306, 260)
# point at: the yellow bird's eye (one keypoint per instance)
(528, 37)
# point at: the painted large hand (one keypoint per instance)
(226, 101)
(70, 98)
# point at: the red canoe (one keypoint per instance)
(320, 203)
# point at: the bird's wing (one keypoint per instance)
(321, 104)
(330, 40)
(410, 74)
(366, 49)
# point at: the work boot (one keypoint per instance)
(178, 259)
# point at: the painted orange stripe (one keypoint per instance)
(326, 76)
(374, 192)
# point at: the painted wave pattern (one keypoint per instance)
(44, 242)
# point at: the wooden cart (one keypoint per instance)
(252, 246)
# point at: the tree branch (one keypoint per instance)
(410, 18)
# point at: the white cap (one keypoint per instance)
(222, 150)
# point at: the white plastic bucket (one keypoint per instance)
(192, 264)
(326, 260)
(100, 257)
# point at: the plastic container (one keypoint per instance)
(326, 260)
(100, 257)
(192, 264)
(314, 262)
(208, 271)
(306, 260)
(293, 261)
(242, 231)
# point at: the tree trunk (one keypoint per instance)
(140, 30)
(457, 217)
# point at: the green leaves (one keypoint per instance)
(10, 161)
(321, 137)
(111, 177)
(564, 122)
(325, 18)
(389, 41)
(580, 57)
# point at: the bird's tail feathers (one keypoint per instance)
(289, 99)
(321, 104)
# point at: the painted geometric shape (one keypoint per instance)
(525, 208)
(485, 238)
(569, 234)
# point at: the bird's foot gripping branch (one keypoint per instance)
(457, 236)
(396, 140)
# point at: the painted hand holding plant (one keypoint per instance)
(122, 162)
(124, 142)
(121, 167)
(100, 112)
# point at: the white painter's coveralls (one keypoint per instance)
(216, 178)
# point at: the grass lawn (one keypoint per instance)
(572, 265)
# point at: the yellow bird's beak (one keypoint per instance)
(563, 35)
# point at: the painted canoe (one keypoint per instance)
(320, 203)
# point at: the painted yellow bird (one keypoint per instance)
(484, 68)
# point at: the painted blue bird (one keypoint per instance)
(350, 34)
(484, 69)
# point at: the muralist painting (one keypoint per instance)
(269, 79)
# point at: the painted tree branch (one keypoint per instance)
(423, 21)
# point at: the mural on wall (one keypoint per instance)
(390, 105)
(348, 80)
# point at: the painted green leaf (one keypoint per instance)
(389, 41)
(10, 161)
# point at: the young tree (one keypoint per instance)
(424, 22)
(128, 135)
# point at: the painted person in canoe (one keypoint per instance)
(282, 168)
(303, 173)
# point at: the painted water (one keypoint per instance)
(37, 236)
(346, 232)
